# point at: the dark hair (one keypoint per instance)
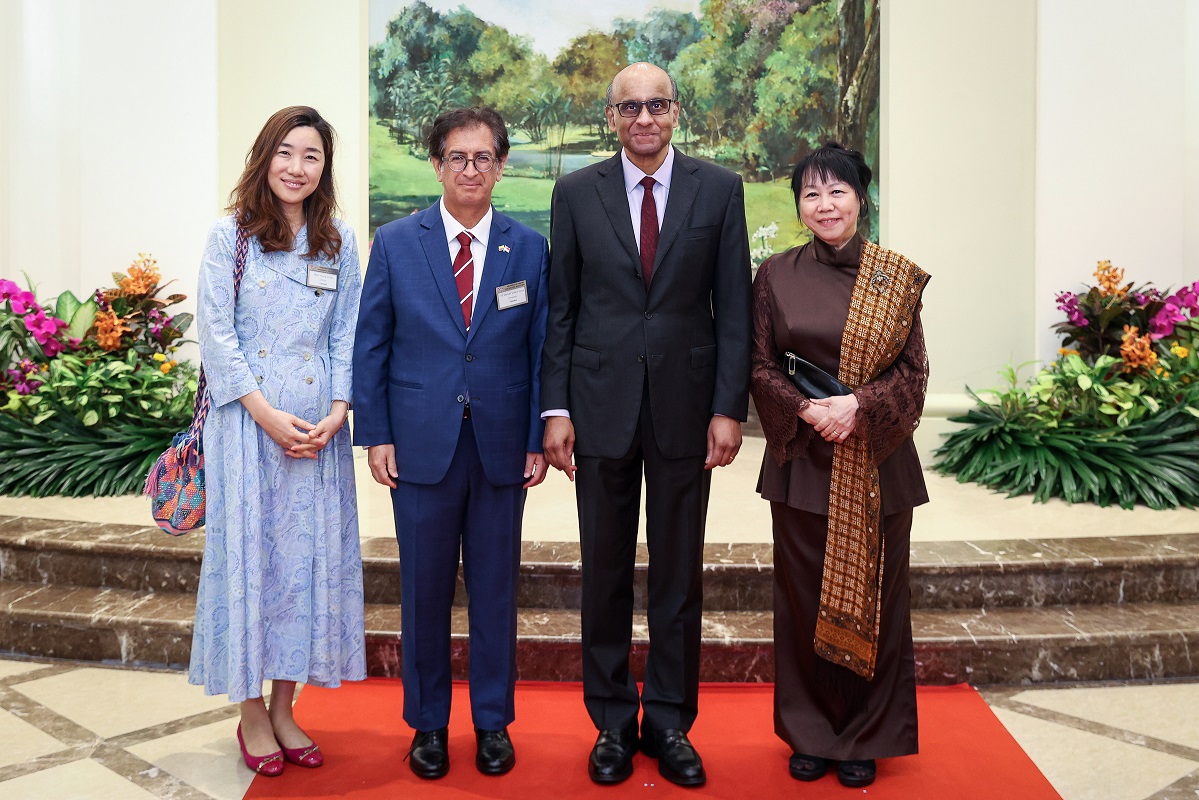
(450, 121)
(832, 162)
(255, 205)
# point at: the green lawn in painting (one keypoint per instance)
(402, 183)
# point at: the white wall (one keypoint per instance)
(1114, 180)
(315, 55)
(1190, 222)
(110, 131)
(957, 150)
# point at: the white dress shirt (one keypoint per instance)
(478, 244)
(636, 192)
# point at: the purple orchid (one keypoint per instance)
(1163, 322)
(20, 301)
(1068, 303)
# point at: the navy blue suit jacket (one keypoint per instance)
(415, 365)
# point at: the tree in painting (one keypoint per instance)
(761, 83)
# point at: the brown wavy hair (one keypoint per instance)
(255, 205)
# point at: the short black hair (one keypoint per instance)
(455, 118)
(832, 162)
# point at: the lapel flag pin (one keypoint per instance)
(505, 248)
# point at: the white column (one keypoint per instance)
(41, 154)
(957, 151)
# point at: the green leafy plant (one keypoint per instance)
(90, 397)
(62, 456)
(108, 389)
(78, 315)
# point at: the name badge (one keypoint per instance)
(512, 294)
(322, 278)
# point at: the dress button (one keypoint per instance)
(317, 293)
(308, 379)
(308, 356)
(470, 357)
(262, 354)
(262, 284)
(258, 378)
(640, 359)
(461, 399)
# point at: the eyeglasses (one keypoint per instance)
(482, 162)
(632, 108)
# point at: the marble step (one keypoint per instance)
(1003, 574)
(1133, 641)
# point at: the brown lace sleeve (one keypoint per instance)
(889, 407)
(778, 402)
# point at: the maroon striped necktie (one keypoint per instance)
(464, 276)
(649, 229)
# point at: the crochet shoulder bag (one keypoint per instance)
(175, 484)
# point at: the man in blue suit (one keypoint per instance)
(447, 366)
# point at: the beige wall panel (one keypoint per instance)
(958, 181)
(277, 53)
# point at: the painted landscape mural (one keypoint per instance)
(760, 84)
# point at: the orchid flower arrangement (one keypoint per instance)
(1114, 419)
(1097, 319)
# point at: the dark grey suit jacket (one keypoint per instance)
(690, 329)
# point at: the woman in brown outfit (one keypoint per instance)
(842, 476)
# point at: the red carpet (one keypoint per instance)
(964, 751)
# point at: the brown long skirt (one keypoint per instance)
(821, 709)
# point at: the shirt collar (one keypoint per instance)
(453, 227)
(848, 256)
(633, 174)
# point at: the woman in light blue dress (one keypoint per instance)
(280, 595)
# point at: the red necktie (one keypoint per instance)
(464, 276)
(649, 229)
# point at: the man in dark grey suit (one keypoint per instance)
(646, 366)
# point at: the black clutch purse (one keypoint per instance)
(811, 380)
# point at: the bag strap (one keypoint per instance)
(200, 411)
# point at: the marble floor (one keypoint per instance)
(71, 730)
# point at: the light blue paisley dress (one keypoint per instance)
(280, 593)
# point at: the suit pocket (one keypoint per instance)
(585, 357)
(703, 356)
(702, 232)
(520, 387)
(406, 384)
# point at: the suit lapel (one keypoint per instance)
(495, 268)
(437, 254)
(616, 203)
(684, 187)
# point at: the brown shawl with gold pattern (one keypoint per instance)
(885, 300)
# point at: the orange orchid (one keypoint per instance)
(1110, 279)
(143, 276)
(1137, 351)
(109, 329)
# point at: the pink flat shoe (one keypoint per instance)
(269, 765)
(309, 756)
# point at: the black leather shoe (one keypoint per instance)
(807, 768)
(612, 757)
(677, 760)
(429, 756)
(494, 754)
(856, 774)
